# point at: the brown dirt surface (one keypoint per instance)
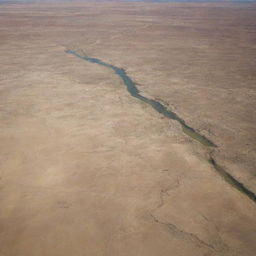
(86, 169)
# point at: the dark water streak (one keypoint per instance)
(231, 180)
(160, 108)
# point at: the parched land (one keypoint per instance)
(87, 169)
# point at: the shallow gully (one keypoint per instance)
(163, 110)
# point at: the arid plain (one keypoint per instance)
(87, 169)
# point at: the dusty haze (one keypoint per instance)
(86, 169)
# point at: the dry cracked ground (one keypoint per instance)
(86, 169)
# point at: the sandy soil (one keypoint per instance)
(88, 170)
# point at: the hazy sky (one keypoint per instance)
(6, 1)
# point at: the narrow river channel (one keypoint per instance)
(163, 110)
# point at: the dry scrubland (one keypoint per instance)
(88, 170)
